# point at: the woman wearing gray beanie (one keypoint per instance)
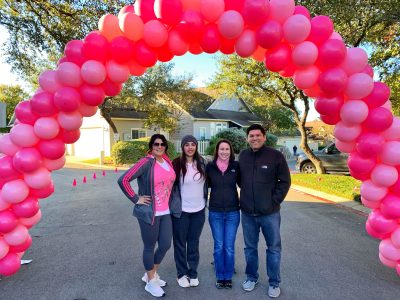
(190, 195)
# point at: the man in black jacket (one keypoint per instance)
(265, 181)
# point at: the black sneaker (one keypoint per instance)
(220, 284)
(228, 284)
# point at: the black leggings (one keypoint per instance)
(161, 232)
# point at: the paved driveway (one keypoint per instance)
(88, 246)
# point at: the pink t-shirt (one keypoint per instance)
(164, 177)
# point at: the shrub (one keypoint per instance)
(236, 136)
(272, 140)
(5, 129)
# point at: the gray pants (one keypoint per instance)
(161, 232)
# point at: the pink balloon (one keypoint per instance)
(23, 135)
(370, 144)
(169, 11)
(38, 179)
(92, 95)
(27, 160)
(46, 128)
(176, 44)
(393, 132)
(301, 10)
(387, 262)
(368, 70)
(330, 119)
(370, 204)
(43, 192)
(67, 99)
(360, 164)
(388, 250)
(387, 105)
(321, 29)
(359, 85)
(74, 52)
(354, 112)
(111, 88)
(87, 110)
(390, 153)
(155, 34)
(384, 175)
(8, 221)
(231, 24)
(246, 43)
(280, 10)
(336, 36)
(380, 224)
(211, 40)
(95, 46)
(69, 74)
(48, 81)
(255, 12)
(93, 72)
(278, 58)
(390, 206)
(234, 5)
(345, 147)
(211, 10)
(117, 73)
(54, 164)
(373, 192)
(121, 49)
(137, 70)
(395, 237)
(10, 264)
(333, 81)
(17, 236)
(144, 55)
(4, 248)
(52, 149)
(22, 247)
(145, 9)
(355, 62)
(27, 208)
(7, 168)
(191, 26)
(42, 104)
(269, 35)
(305, 54)
(4, 204)
(379, 119)
(306, 78)
(347, 133)
(331, 53)
(70, 121)
(29, 222)
(378, 96)
(296, 29)
(7, 146)
(24, 113)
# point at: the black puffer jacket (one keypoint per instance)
(224, 196)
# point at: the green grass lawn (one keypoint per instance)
(338, 185)
(95, 161)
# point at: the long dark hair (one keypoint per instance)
(232, 155)
(153, 139)
(180, 164)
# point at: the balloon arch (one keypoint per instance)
(277, 32)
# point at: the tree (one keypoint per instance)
(11, 95)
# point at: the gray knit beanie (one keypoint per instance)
(188, 138)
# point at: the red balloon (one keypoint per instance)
(145, 9)
(42, 104)
(24, 113)
(70, 137)
(329, 105)
(211, 40)
(96, 46)
(379, 95)
(379, 119)
(301, 10)
(321, 29)
(10, 264)
(333, 81)
(169, 11)
(195, 48)
(121, 49)
(227, 46)
(74, 52)
(144, 55)
(234, 5)
(191, 27)
(23, 247)
(164, 54)
(92, 95)
(288, 71)
(126, 9)
(42, 193)
(7, 169)
(27, 160)
(27, 208)
(331, 53)
(269, 35)
(278, 58)
(255, 12)
(111, 88)
(330, 120)
(52, 149)
(8, 221)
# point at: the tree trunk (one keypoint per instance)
(105, 113)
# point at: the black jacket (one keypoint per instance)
(265, 180)
(224, 196)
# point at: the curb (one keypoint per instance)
(340, 201)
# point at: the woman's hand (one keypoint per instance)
(144, 200)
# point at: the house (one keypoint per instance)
(98, 137)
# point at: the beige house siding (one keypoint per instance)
(185, 124)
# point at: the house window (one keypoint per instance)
(137, 133)
(220, 126)
(202, 133)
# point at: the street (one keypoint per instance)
(88, 246)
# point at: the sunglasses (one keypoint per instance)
(159, 144)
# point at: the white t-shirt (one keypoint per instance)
(192, 190)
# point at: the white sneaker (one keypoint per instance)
(274, 291)
(194, 282)
(154, 288)
(183, 281)
(161, 282)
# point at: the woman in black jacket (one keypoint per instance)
(224, 217)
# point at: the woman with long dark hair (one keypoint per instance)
(224, 216)
(190, 195)
(155, 177)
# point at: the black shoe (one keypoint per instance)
(220, 284)
(228, 284)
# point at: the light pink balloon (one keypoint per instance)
(155, 34)
(23, 135)
(395, 237)
(391, 134)
(246, 43)
(384, 175)
(359, 85)
(49, 82)
(372, 192)
(345, 147)
(7, 146)
(388, 105)
(336, 36)
(305, 54)
(306, 78)
(3, 204)
(3, 248)
(370, 204)
(87, 110)
(354, 112)
(355, 62)
(17, 236)
(280, 10)
(117, 73)
(15, 191)
(347, 133)
(29, 222)
(390, 153)
(212, 9)
(296, 29)
(70, 121)
(38, 179)
(54, 164)
(46, 128)
(231, 24)
(69, 74)
(388, 250)
(387, 262)
(93, 72)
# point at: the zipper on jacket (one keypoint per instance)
(252, 182)
(152, 189)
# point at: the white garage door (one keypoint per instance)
(90, 143)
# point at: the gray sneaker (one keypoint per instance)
(249, 285)
(274, 291)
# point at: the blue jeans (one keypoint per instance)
(270, 228)
(224, 227)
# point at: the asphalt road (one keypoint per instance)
(88, 246)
